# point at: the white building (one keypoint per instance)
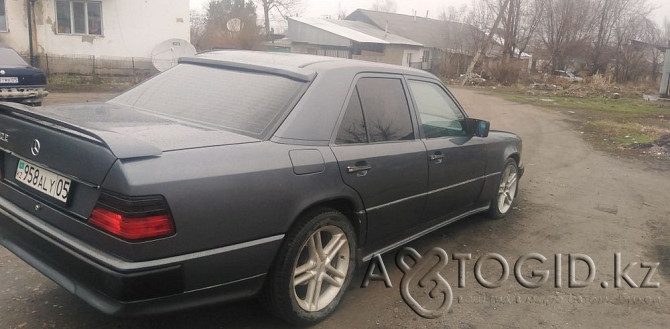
(110, 28)
(352, 39)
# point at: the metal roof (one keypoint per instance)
(430, 32)
(356, 31)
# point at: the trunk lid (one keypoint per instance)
(82, 142)
(26, 75)
(131, 132)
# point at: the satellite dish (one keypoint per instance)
(234, 25)
(167, 53)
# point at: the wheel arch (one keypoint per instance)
(516, 157)
(351, 208)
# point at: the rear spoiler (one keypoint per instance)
(123, 147)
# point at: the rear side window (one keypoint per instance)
(352, 129)
(385, 108)
(244, 102)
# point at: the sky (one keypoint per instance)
(322, 8)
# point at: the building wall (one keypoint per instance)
(389, 54)
(321, 50)
(130, 28)
(401, 55)
(304, 33)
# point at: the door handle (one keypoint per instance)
(353, 169)
(436, 156)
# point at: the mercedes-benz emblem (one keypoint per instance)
(35, 148)
(2, 72)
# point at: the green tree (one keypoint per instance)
(231, 24)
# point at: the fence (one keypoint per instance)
(95, 66)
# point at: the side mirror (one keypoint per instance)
(476, 127)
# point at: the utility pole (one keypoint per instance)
(32, 38)
(486, 43)
(665, 80)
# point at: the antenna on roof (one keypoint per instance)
(427, 13)
(415, 15)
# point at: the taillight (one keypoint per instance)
(133, 218)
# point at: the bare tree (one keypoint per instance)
(389, 6)
(285, 8)
(341, 11)
(607, 15)
(530, 16)
(198, 28)
(453, 14)
(489, 38)
(565, 29)
(627, 61)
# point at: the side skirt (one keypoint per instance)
(422, 233)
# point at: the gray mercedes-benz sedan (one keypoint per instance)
(237, 174)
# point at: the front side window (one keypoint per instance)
(3, 17)
(79, 17)
(438, 113)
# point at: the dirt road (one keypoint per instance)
(574, 200)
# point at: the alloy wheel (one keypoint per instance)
(507, 189)
(321, 268)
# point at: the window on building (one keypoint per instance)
(3, 16)
(79, 17)
(426, 56)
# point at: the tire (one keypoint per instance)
(299, 260)
(507, 190)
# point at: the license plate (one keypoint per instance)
(43, 180)
(9, 80)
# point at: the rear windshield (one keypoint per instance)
(244, 102)
(10, 57)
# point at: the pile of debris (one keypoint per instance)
(659, 148)
(544, 86)
(473, 79)
(579, 90)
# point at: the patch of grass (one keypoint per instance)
(622, 107)
(623, 133)
(622, 122)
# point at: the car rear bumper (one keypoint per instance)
(176, 283)
(28, 95)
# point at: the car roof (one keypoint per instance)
(299, 66)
